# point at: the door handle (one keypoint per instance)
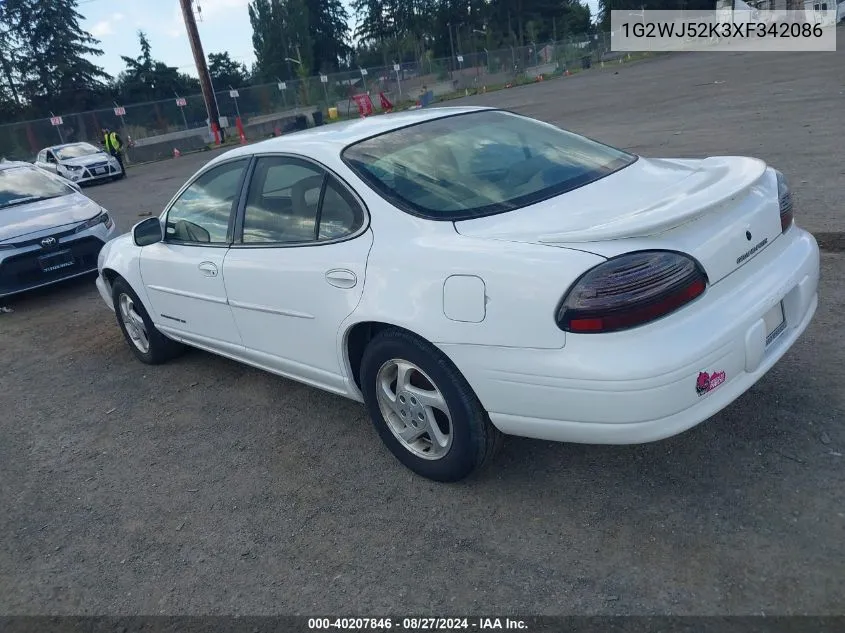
(208, 269)
(341, 278)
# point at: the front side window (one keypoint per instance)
(202, 213)
(292, 201)
(21, 185)
(478, 164)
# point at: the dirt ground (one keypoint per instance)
(206, 487)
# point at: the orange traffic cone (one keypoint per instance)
(176, 153)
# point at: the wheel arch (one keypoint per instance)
(121, 259)
(110, 275)
(355, 340)
(358, 335)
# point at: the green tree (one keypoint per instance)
(374, 21)
(226, 72)
(328, 31)
(280, 34)
(10, 44)
(46, 56)
(314, 33)
(147, 79)
(419, 29)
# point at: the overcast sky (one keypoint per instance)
(224, 27)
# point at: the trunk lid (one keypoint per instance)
(722, 210)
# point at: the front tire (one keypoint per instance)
(423, 408)
(148, 344)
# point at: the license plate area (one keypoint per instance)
(775, 323)
(56, 261)
(100, 170)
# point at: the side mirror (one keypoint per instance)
(147, 232)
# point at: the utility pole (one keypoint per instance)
(202, 68)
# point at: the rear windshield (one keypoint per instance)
(20, 185)
(478, 164)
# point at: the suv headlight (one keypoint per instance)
(70, 167)
(102, 218)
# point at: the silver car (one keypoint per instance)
(49, 231)
(81, 163)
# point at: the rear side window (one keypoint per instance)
(479, 164)
(282, 203)
(292, 201)
(340, 214)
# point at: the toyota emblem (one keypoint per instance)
(48, 241)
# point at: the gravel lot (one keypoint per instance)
(203, 486)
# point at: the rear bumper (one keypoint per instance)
(640, 385)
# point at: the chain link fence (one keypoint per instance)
(270, 109)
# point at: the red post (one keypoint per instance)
(216, 131)
(241, 132)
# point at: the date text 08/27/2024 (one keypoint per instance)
(416, 624)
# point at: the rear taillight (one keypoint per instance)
(630, 290)
(785, 202)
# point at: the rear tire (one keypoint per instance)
(148, 344)
(423, 408)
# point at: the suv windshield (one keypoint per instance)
(477, 164)
(19, 185)
(75, 151)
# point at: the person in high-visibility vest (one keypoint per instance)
(113, 144)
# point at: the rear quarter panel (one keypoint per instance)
(412, 258)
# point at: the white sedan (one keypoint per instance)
(469, 272)
(81, 163)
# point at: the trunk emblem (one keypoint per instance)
(48, 241)
(749, 253)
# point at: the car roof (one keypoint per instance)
(333, 138)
